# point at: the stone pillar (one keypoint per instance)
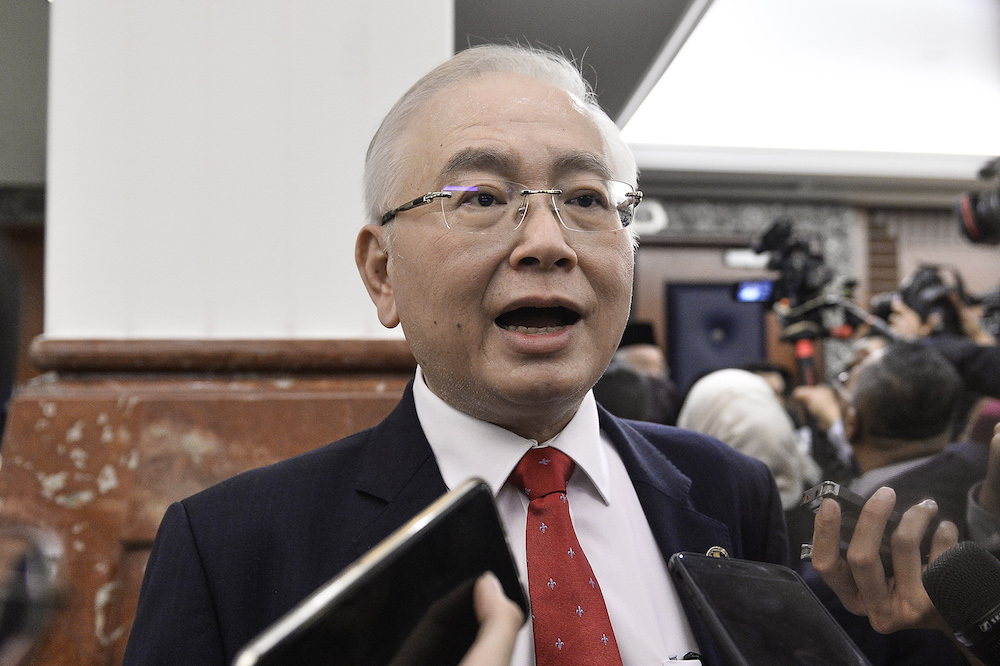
(98, 447)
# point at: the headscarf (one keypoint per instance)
(742, 410)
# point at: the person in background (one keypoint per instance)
(967, 345)
(637, 384)
(741, 409)
(901, 402)
(625, 392)
(499, 199)
(823, 405)
(816, 414)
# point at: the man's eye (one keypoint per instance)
(481, 197)
(485, 199)
(587, 200)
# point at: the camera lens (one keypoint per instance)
(979, 216)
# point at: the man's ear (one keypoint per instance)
(373, 263)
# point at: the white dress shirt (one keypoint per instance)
(645, 611)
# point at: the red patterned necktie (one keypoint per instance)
(569, 618)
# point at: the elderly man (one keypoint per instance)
(499, 199)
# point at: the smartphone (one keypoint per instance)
(760, 614)
(408, 602)
(850, 509)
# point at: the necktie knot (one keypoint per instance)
(543, 471)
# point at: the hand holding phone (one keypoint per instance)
(851, 506)
(860, 580)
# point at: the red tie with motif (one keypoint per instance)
(568, 615)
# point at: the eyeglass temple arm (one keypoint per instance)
(409, 205)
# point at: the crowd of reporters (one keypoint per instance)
(917, 411)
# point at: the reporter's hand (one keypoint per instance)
(499, 621)
(820, 401)
(892, 603)
(907, 322)
(971, 317)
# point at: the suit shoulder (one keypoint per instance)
(291, 474)
(686, 447)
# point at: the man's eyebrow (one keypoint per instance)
(475, 159)
(588, 163)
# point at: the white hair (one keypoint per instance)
(384, 165)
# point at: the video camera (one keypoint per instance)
(802, 271)
(801, 295)
(979, 213)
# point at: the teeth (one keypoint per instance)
(534, 330)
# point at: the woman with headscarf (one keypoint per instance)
(740, 409)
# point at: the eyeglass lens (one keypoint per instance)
(486, 206)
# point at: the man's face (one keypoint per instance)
(513, 328)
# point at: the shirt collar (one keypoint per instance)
(456, 439)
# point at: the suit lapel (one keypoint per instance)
(398, 477)
(663, 492)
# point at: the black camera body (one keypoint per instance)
(979, 212)
(927, 291)
(802, 271)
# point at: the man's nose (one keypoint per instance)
(541, 236)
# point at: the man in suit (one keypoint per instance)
(900, 404)
(499, 199)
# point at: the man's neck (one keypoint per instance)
(874, 452)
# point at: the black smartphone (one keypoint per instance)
(850, 509)
(761, 614)
(408, 602)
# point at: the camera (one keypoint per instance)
(808, 308)
(979, 212)
(802, 271)
(929, 291)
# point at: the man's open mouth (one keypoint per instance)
(536, 321)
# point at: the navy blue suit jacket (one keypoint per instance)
(232, 559)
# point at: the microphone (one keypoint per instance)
(964, 585)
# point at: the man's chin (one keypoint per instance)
(543, 392)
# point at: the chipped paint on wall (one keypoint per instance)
(198, 444)
(101, 601)
(107, 479)
(75, 500)
(75, 433)
(79, 457)
(133, 460)
(52, 483)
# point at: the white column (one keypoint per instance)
(205, 158)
